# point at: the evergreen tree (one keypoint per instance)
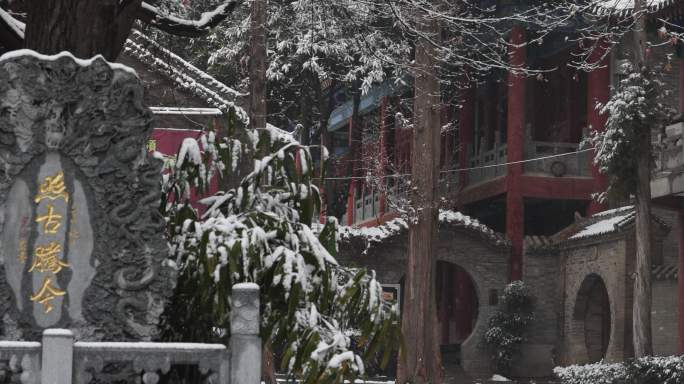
(263, 232)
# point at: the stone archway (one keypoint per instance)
(457, 310)
(592, 317)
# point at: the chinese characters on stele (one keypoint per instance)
(47, 257)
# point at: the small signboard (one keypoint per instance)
(391, 293)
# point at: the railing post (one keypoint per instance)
(245, 343)
(57, 356)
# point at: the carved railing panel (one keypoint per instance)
(150, 359)
(20, 358)
(485, 164)
(557, 159)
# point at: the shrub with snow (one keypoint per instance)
(646, 370)
(261, 232)
(507, 326)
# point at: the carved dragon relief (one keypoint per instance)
(105, 129)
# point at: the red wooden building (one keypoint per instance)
(511, 151)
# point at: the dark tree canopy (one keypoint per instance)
(87, 28)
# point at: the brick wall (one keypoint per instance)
(606, 260)
(485, 263)
(541, 272)
(664, 317)
(671, 240)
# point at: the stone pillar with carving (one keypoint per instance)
(245, 343)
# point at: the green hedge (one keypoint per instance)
(647, 370)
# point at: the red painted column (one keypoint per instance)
(382, 164)
(598, 91)
(466, 123)
(515, 214)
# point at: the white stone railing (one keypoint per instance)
(671, 153)
(60, 360)
(148, 359)
(572, 164)
(23, 358)
(497, 155)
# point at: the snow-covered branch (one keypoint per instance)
(11, 31)
(184, 27)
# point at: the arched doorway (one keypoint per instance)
(457, 309)
(592, 309)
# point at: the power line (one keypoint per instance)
(469, 168)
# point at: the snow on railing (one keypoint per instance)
(150, 358)
(60, 360)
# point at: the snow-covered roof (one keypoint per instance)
(623, 7)
(183, 74)
(601, 224)
(607, 223)
(397, 226)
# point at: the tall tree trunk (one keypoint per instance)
(641, 311)
(83, 27)
(420, 360)
(257, 120)
(257, 65)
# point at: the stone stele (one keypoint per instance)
(81, 236)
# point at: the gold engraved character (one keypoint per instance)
(46, 259)
(46, 294)
(51, 221)
(22, 250)
(52, 188)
